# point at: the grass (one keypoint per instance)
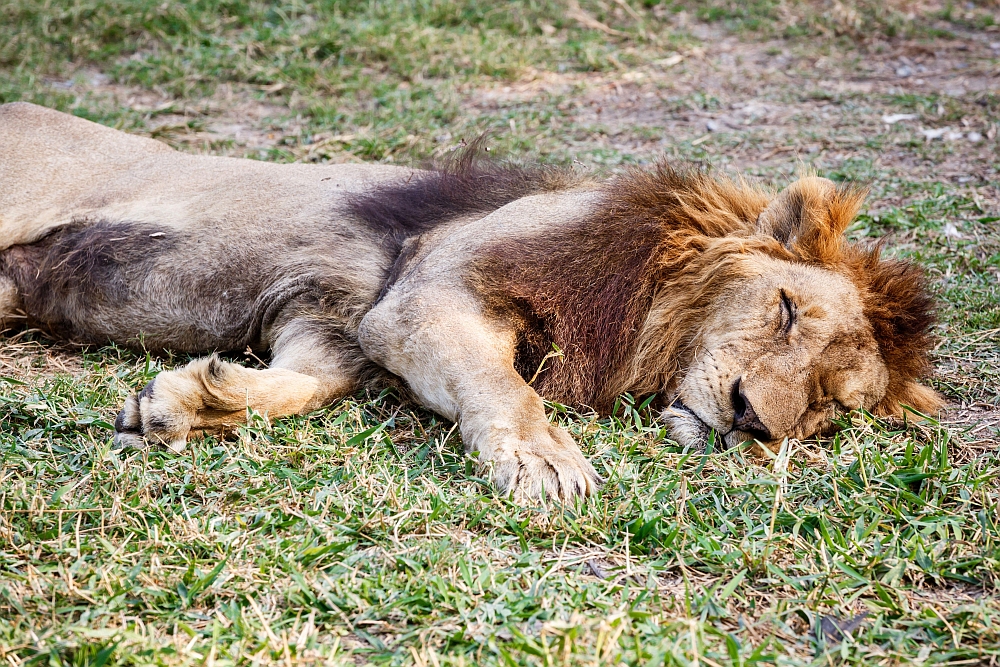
(360, 533)
(319, 535)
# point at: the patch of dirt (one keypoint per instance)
(979, 427)
(27, 360)
(780, 104)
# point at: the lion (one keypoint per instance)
(480, 288)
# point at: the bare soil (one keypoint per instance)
(784, 104)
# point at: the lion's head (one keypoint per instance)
(766, 323)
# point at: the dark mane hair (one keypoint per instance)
(466, 183)
(902, 312)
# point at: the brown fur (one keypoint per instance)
(588, 287)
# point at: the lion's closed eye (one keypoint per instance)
(789, 313)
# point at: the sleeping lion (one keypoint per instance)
(480, 288)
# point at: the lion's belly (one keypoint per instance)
(147, 285)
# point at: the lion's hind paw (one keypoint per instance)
(135, 425)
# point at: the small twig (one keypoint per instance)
(781, 149)
(249, 353)
(267, 627)
(576, 13)
(596, 569)
(628, 8)
(555, 354)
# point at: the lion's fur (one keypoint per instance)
(460, 280)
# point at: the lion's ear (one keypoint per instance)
(797, 209)
(811, 215)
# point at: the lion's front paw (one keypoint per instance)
(549, 465)
(147, 417)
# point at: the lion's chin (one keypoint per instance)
(685, 427)
(689, 431)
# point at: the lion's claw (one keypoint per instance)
(134, 427)
(549, 467)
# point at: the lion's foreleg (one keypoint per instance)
(460, 363)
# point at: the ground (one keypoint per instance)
(360, 533)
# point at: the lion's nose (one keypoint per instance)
(744, 417)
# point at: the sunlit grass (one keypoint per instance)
(361, 533)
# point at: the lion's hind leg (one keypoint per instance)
(11, 314)
(209, 394)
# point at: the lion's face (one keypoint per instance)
(782, 352)
(790, 336)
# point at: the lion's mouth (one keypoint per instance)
(687, 426)
(679, 406)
